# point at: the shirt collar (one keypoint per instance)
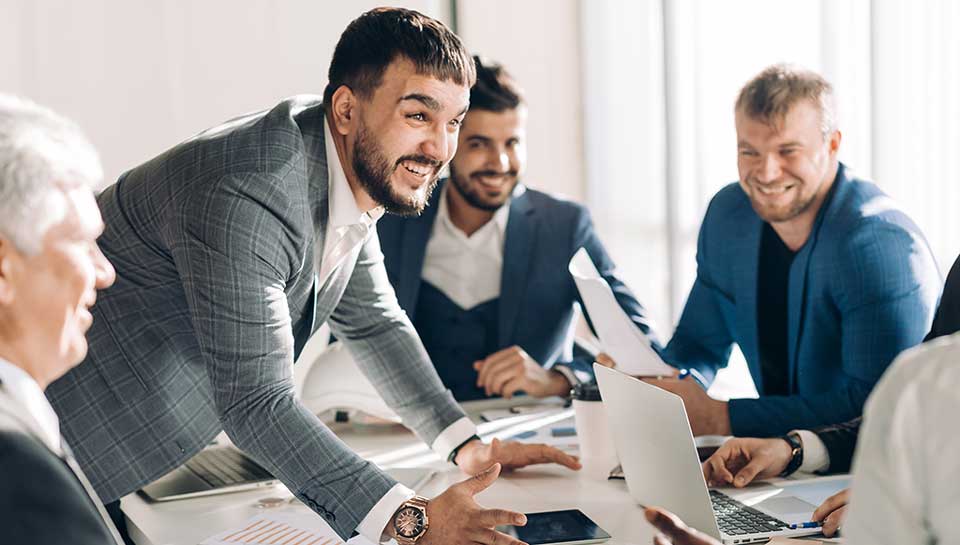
(500, 217)
(342, 205)
(25, 389)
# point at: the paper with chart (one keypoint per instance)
(618, 334)
(301, 527)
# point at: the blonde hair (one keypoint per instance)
(771, 94)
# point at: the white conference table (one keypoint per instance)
(536, 488)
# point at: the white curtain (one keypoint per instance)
(660, 78)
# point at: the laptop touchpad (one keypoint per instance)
(789, 509)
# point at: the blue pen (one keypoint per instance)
(805, 525)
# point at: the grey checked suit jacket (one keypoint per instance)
(213, 242)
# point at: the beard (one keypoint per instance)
(776, 214)
(473, 195)
(373, 171)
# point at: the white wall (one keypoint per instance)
(142, 75)
(538, 43)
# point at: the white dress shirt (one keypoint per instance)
(905, 471)
(467, 269)
(348, 228)
(24, 389)
(816, 457)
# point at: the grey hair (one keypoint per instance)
(42, 154)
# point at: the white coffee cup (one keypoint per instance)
(597, 452)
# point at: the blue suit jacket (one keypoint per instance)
(861, 289)
(537, 292)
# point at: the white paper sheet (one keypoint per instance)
(618, 334)
(300, 527)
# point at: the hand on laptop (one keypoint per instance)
(741, 460)
(832, 511)
(476, 456)
(673, 530)
(707, 416)
(512, 370)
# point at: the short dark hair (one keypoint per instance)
(495, 89)
(378, 37)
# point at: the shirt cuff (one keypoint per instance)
(567, 374)
(453, 436)
(815, 455)
(373, 525)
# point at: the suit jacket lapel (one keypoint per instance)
(26, 423)
(746, 248)
(71, 462)
(518, 249)
(799, 270)
(414, 238)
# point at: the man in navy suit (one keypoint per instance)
(817, 275)
(483, 273)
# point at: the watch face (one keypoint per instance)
(409, 522)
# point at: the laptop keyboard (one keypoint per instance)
(225, 466)
(736, 519)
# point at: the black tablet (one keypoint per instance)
(569, 527)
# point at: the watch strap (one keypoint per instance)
(796, 458)
(418, 502)
(453, 454)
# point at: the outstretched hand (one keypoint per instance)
(476, 455)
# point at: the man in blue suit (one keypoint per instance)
(483, 272)
(817, 275)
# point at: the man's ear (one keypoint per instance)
(344, 108)
(8, 255)
(835, 138)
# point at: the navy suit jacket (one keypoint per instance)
(861, 289)
(538, 293)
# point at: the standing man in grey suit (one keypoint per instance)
(234, 246)
(50, 271)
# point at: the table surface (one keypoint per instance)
(536, 488)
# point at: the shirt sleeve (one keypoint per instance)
(452, 437)
(373, 525)
(890, 474)
(816, 458)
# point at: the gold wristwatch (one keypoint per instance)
(410, 522)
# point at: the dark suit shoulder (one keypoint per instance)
(40, 500)
(727, 210)
(861, 218)
(554, 206)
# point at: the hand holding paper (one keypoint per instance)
(619, 336)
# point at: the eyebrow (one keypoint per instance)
(478, 137)
(426, 100)
(430, 102)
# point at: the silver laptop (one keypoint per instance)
(659, 458)
(215, 470)
(224, 469)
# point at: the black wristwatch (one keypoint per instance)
(410, 522)
(455, 451)
(796, 456)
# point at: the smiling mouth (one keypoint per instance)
(417, 169)
(774, 190)
(492, 181)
